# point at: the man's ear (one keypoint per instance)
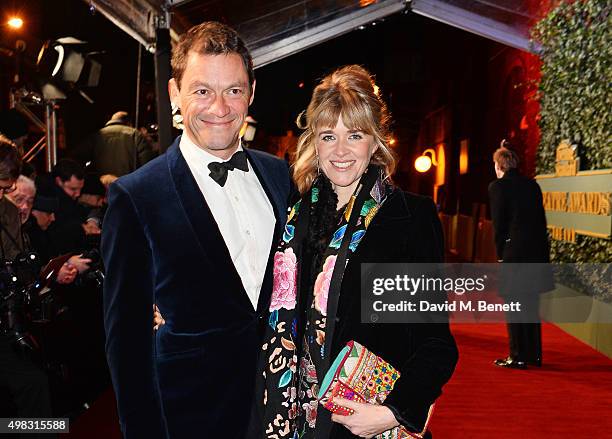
(252, 92)
(173, 91)
(58, 181)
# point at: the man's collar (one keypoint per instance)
(204, 157)
(61, 193)
(114, 122)
(512, 172)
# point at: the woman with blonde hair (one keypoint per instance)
(348, 213)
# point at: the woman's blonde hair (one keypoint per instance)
(348, 92)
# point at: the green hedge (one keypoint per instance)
(576, 100)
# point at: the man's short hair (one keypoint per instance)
(93, 185)
(10, 162)
(66, 168)
(210, 38)
(505, 158)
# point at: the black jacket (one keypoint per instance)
(406, 229)
(11, 241)
(66, 233)
(518, 218)
(194, 377)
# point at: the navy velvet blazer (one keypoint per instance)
(194, 378)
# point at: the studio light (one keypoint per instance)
(65, 62)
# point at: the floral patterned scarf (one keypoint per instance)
(298, 336)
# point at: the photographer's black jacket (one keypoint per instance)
(11, 241)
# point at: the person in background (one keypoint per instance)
(11, 240)
(93, 198)
(34, 224)
(23, 196)
(519, 222)
(73, 224)
(93, 194)
(27, 383)
(116, 149)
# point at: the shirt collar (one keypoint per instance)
(194, 153)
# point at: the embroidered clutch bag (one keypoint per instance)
(360, 375)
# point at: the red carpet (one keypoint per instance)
(570, 397)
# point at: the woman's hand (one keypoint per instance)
(367, 420)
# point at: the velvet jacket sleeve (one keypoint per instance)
(434, 352)
(128, 304)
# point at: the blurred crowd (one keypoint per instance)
(51, 332)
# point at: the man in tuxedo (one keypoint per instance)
(521, 239)
(192, 232)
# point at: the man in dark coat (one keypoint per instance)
(27, 383)
(521, 239)
(116, 149)
(192, 232)
(73, 226)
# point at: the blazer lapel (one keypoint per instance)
(279, 205)
(203, 223)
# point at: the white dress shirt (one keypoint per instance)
(242, 211)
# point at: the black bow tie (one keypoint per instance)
(218, 170)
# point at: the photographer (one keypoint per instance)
(27, 384)
(33, 228)
(76, 314)
(73, 227)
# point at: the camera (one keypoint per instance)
(18, 291)
(95, 274)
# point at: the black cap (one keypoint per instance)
(45, 204)
(93, 186)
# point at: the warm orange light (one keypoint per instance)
(423, 163)
(15, 22)
(392, 141)
(441, 169)
(463, 157)
(376, 89)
